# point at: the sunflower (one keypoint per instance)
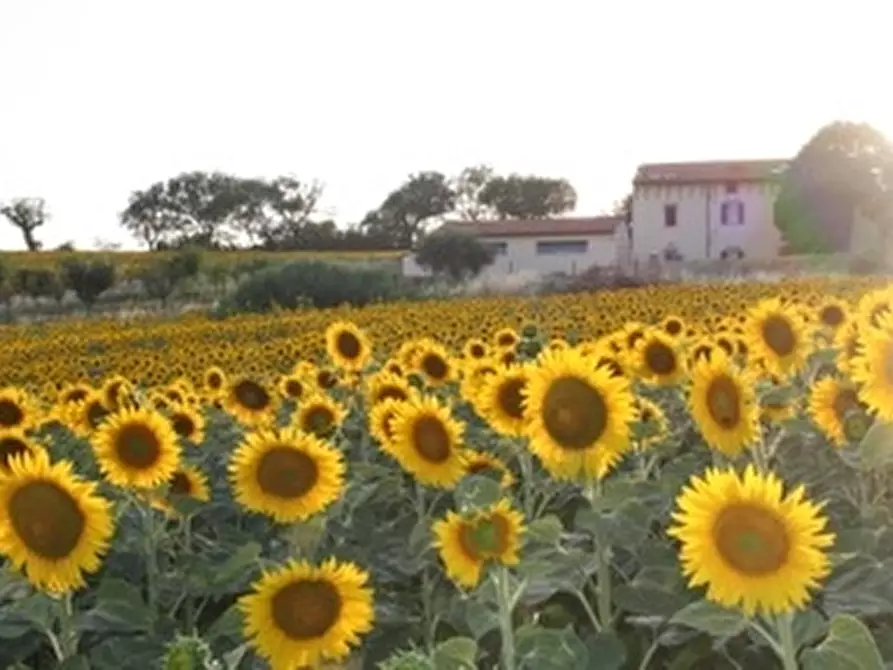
(832, 402)
(188, 423)
(847, 341)
(292, 387)
(652, 423)
(427, 442)
(723, 404)
(286, 474)
(348, 346)
(506, 338)
(752, 546)
(52, 523)
(473, 378)
(187, 482)
(475, 349)
(250, 402)
(872, 368)
(673, 326)
(17, 409)
(832, 314)
(380, 418)
(14, 442)
(214, 381)
(385, 385)
(467, 542)
(482, 463)
(656, 359)
(500, 400)
(777, 335)
(320, 415)
(116, 392)
(578, 416)
(774, 408)
(137, 448)
(301, 615)
(433, 362)
(87, 415)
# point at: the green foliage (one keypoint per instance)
(528, 197)
(162, 278)
(38, 283)
(459, 256)
(845, 169)
(313, 283)
(88, 279)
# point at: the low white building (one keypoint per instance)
(709, 210)
(539, 247)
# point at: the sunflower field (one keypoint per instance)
(682, 477)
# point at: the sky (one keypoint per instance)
(99, 98)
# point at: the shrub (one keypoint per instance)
(88, 279)
(458, 256)
(315, 284)
(162, 278)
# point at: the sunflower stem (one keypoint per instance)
(524, 460)
(785, 626)
(502, 579)
(151, 559)
(593, 492)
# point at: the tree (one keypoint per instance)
(528, 197)
(468, 186)
(405, 212)
(457, 255)
(163, 277)
(845, 169)
(88, 280)
(27, 214)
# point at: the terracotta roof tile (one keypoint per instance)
(693, 173)
(581, 225)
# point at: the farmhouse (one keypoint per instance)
(709, 210)
(542, 246)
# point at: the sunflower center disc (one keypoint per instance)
(183, 425)
(845, 401)
(394, 392)
(10, 413)
(778, 335)
(307, 609)
(252, 395)
(752, 540)
(348, 345)
(723, 402)
(138, 447)
(510, 398)
(286, 473)
(832, 315)
(9, 447)
(318, 421)
(180, 485)
(47, 519)
(293, 388)
(660, 358)
(574, 413)
(432, 441)
(434, 366)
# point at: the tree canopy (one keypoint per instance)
(26, 214)
(845, 169)
(453, 254)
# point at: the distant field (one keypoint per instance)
(131, 261)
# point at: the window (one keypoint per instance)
(732, 187)
(731, 253)
(497, 248)
(562, 247)
(670, 216)
(671, 253)
(731, 213)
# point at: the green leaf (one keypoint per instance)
(545, 530)
(548, 649)
(75, 663)
(119, 608)
(457, 653)
(809, 627)
(477, 492)
(710, 618)
(236, 569)
(849, 646)
(606, 652)
(876, 448)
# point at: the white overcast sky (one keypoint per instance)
(102, 97)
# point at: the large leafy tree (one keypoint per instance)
(456, 255)
(26, 214)
(216, 209)
(407, 210)
(528, 197)
(469, 185)
(845, 169)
